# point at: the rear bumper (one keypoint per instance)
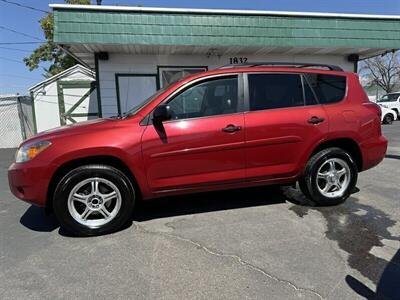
(373, 152)
(29, 181)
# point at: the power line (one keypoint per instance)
(24, 6)
(18, 76)
(20, 43)
(21, 33)
(15, 49)
(13, 60)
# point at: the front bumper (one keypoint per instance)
(29, 181)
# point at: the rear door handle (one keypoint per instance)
(231, 128)
(315, 120)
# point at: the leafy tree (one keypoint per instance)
(382, 71)
(49, 52)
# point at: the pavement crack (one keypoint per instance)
(231, 256)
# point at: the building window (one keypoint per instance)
(133, 89)
(168, 75)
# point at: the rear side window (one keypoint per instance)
(327, 88)
(268, 91)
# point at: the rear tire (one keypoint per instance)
(94, 200)
(329, 177)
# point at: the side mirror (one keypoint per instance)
(161, 113)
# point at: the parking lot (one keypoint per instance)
(249, 243)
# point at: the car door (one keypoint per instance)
(282, 123)
(203, 143)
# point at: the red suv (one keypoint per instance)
(232, 127)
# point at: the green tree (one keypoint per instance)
(49, 52)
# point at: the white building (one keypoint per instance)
(137, 50)
(65, 98)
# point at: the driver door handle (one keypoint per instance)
(315, 120)
(231, 128)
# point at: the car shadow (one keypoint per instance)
(388, 286)
(36, 219)
(392, 156)
(207, 202)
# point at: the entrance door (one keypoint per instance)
(77, 101)
(203, 142)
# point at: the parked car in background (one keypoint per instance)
(232, 127)
(388, 115)
(391, 101)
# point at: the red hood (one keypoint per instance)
(72, 129)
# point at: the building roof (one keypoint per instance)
(85, 29)
(219, 11)
(65, 73)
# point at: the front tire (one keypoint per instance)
(329, 177)
(93, 200)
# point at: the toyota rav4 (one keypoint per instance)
(237, 126)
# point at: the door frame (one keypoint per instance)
(74, 84)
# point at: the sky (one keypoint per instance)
(15, 77)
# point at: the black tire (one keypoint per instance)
(308, 182)
(73, 178)
(388, 119)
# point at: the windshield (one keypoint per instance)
(389, 97)
(136, 108)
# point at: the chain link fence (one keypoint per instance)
(16, 120)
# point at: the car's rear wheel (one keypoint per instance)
(388, 119)
(93, 200)
(329, 177)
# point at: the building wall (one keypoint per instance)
(147, 64)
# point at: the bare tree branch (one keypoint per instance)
(383, 71)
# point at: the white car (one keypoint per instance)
(388, 115)
(391, 101)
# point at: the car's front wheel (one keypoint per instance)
(93, 200)
(329, 177)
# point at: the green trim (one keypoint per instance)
(83, 115)
(175, 67)
(96, 68)
(61, 105)
(33, 114)
(190, 29)
(118, 96)
(68, 115)
(117, 75)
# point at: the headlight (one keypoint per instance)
(29, 151)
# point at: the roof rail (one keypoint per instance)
(294, 64)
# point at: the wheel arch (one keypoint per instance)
(108, 160)
(347, 144)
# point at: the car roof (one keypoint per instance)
(258, 69)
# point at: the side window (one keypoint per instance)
(269, 91)
(209, 98)
(328, 88)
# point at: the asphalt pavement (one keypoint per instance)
(258, 243)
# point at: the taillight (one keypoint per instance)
(375, 108)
